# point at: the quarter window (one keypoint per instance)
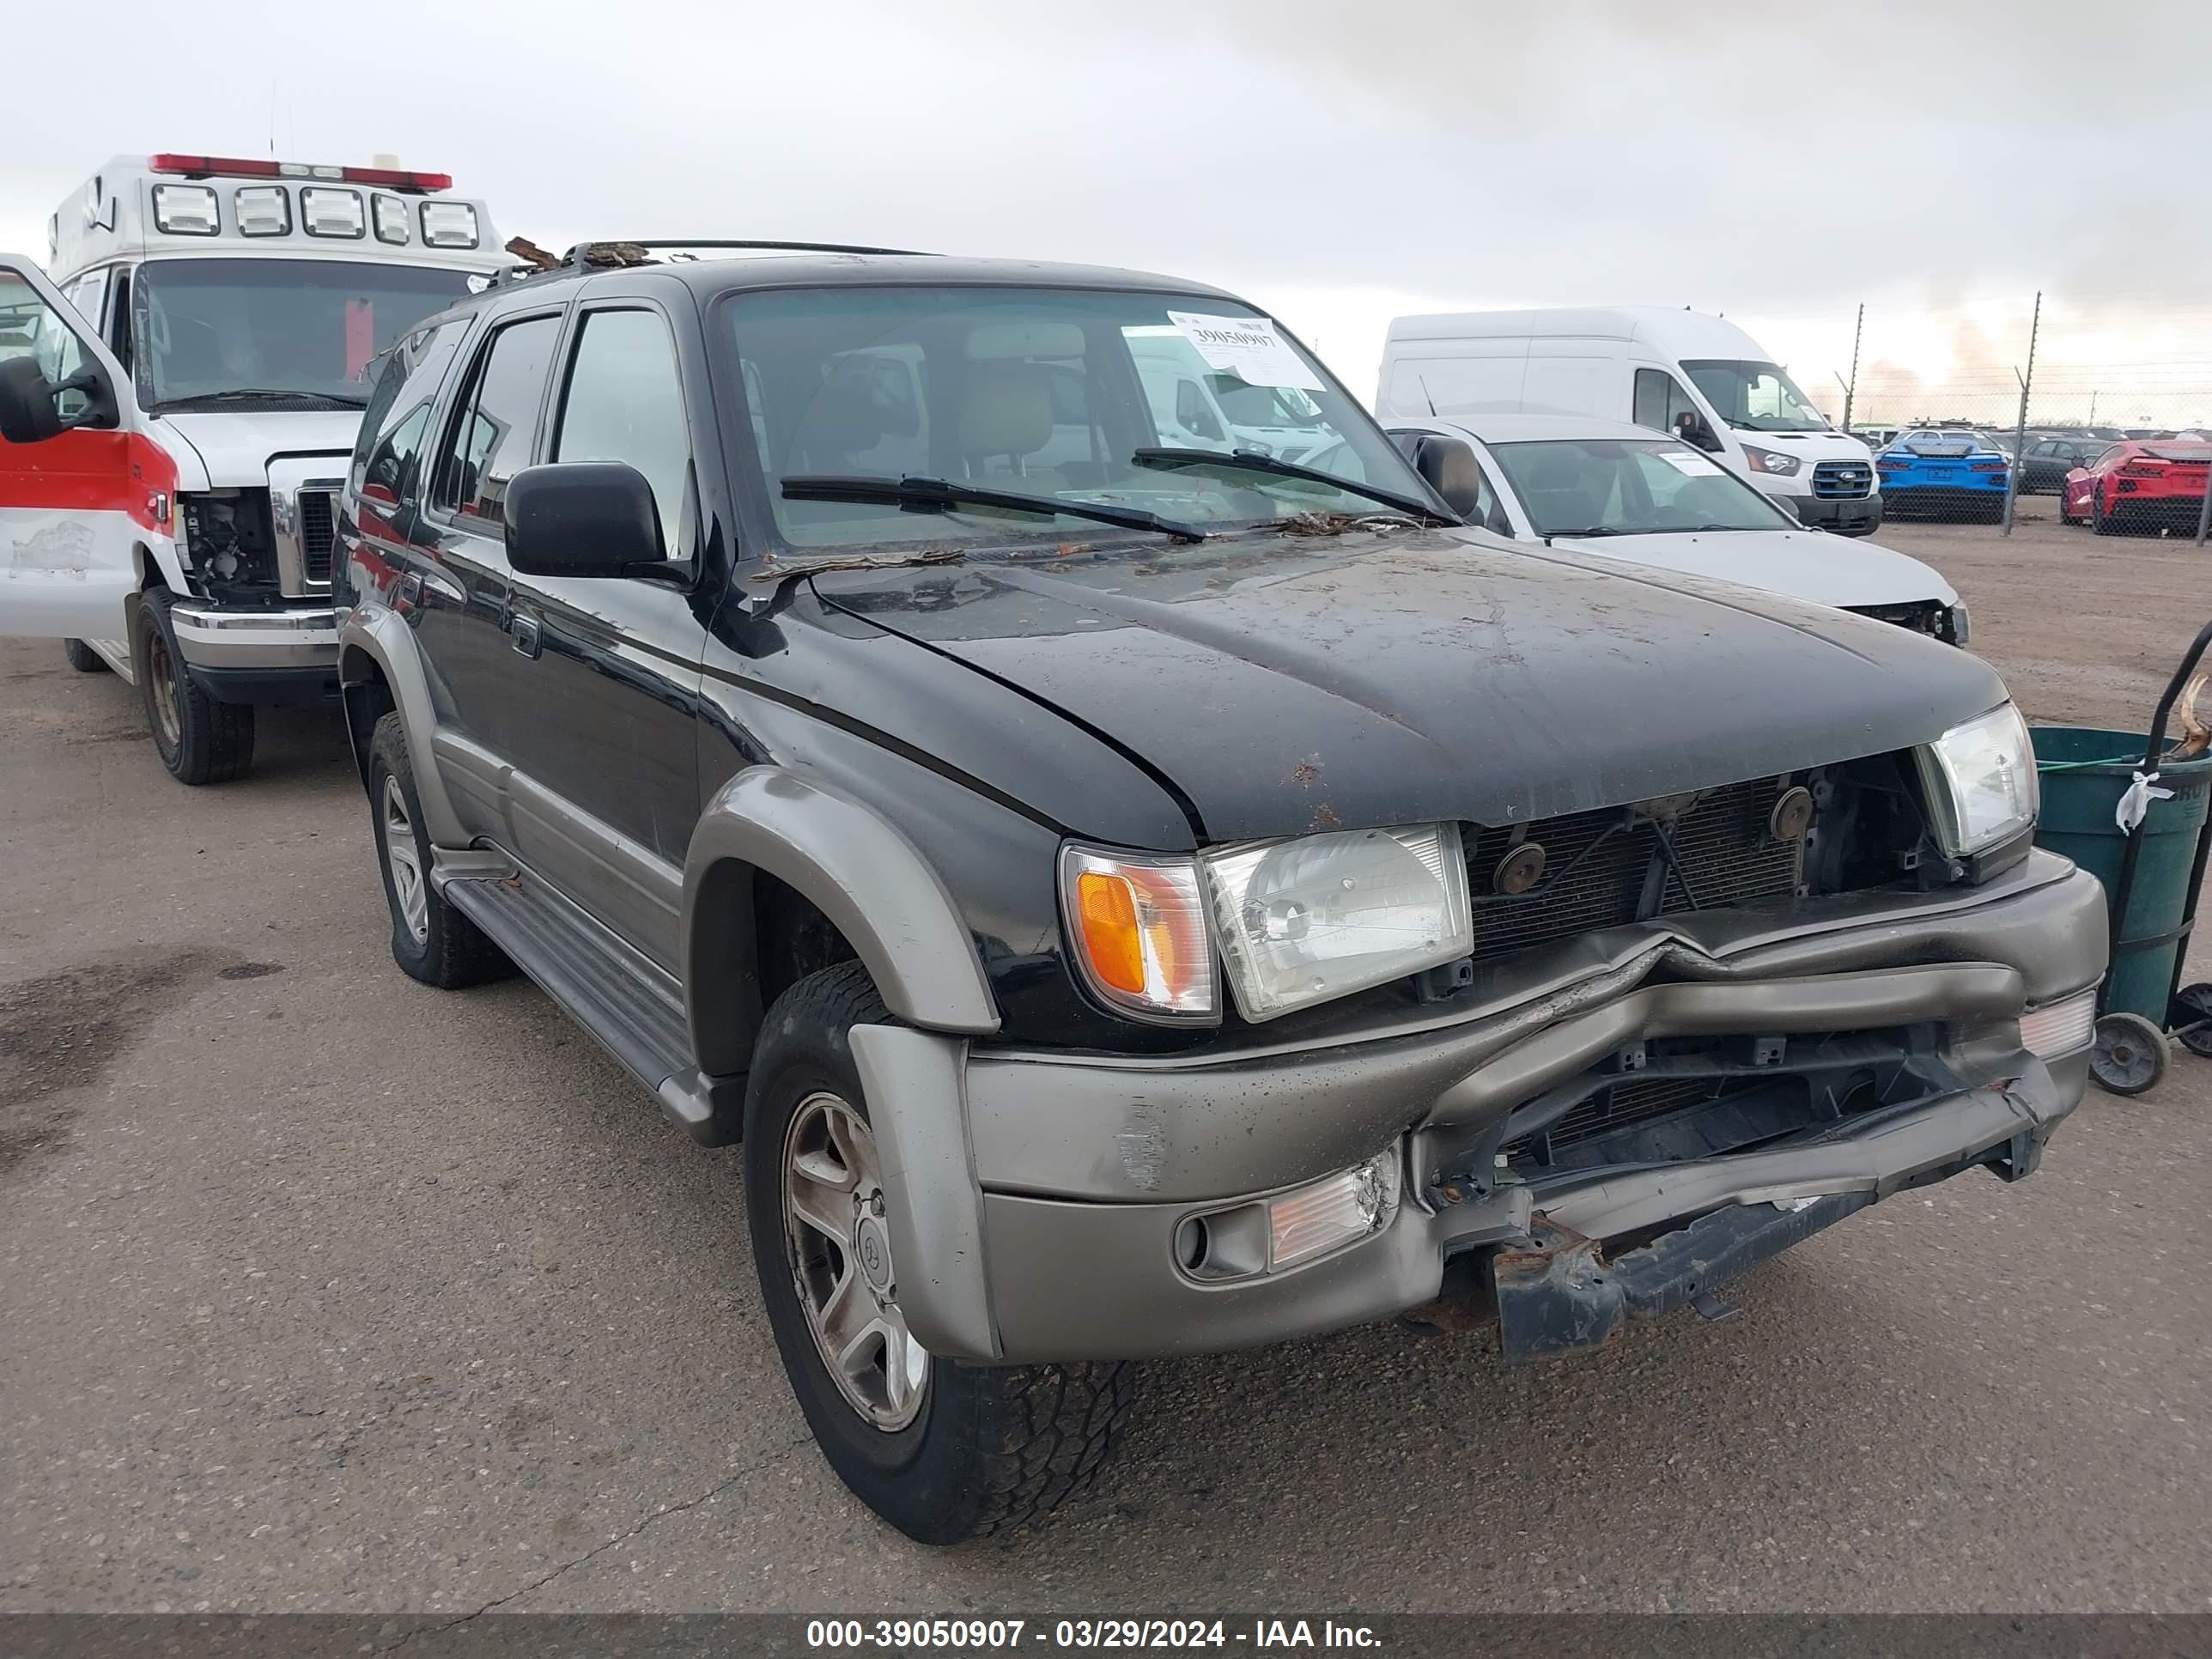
(624, 402)
(497, 427)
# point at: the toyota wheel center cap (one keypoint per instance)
(875, 1252)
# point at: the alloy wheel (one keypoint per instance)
(840, 1251)
(403, 861)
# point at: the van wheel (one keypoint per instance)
(199, 739)
(941, 1450)
(82, 658)
(430, 940)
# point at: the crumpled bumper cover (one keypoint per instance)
(1563, 1290)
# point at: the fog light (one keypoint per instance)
(2059, 1027)
(1330, 1212)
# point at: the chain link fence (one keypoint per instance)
(2054, 383)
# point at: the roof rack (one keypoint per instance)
(534, 261)
(639, 251)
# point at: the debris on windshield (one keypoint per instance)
(1338, 523)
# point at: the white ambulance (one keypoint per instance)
(177, 402)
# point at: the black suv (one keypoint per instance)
(1137, 899)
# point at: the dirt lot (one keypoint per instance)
(321, 1289)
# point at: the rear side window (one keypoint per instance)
(624, 402)
(497, 430)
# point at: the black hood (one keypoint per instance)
(1284, 683)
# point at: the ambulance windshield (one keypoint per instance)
(216, 333)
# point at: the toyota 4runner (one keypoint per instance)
(1132, 898)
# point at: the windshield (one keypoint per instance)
(1755, 397)
(1045, 393)
(1630, 487)
(304, 327)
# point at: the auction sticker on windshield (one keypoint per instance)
(1696, 466)
(1246, 347)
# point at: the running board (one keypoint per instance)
(633, 1008)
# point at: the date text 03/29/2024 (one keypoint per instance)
(1115, 1633)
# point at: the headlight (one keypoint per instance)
(1304, 920)
(1138, 928)
(1765, 460)
(1956, 626)
(1981, 781)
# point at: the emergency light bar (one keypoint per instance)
(208, 167)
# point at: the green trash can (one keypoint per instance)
(2084, 771)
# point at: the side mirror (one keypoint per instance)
(1449, 465)
(27, 413)
(582, 519)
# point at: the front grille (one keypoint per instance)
(1842, 480)
(1624, 1103)
(317, 532)
(1599, 868)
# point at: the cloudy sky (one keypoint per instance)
(1339, 163)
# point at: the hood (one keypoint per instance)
(1801, 564)
(1809, 447)
(235, 446)
(1281, 684)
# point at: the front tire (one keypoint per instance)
(941, 1450)
(430, 940)
(82, 658)
(199, 739)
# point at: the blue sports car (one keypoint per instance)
(1946, 473)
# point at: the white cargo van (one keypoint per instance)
(1700, 378)
(179, 395)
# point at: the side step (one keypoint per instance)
(629, 1004)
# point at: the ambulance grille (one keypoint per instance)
(318, 531)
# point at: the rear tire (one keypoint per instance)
(2104, 523)
(82, 658)
(430, 940)
(966, 1449)
(199, 739)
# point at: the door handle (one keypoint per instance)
(524, 632)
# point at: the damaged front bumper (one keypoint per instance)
(1057, 1207)
(1562, 1289)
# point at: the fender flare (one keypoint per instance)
(374, 634)
(871, 883)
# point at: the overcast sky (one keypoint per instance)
(1336, 162)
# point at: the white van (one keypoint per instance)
(1701, 379)
(1197, 406)
(173, 439)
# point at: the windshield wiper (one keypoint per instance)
(1251, 463)
(943, 494)
(1593, 530)
(262, 393)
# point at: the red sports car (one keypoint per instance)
(2155, 482)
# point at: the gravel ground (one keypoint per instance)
(324, 1290)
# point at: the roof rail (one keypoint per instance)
(640, 251)
(533, 261)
